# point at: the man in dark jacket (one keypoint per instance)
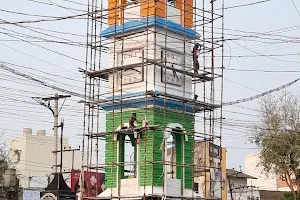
(196, 53)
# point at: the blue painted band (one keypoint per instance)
(125, 95)
(134, 94)
(138, 103)
(135, 25)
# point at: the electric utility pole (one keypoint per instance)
(46, 102)
(230, 184)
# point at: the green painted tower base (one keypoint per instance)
(150, 154)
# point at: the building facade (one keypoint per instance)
(210, 174)
(31, 155)
(209, 171)
(238, 188)
(271, 182)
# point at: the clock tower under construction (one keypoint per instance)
(150, 94)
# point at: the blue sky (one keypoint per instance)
(17, 110)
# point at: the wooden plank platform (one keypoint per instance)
(122, 131)
(201, 77)
(198, 105)
(105, 72)
(184, 100)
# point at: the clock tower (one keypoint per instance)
(150, 74)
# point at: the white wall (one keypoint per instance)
(240, 190)
(174, 43)
(238, 182)
(201, 185)
(36, 159)
(173, 14)
(244, 194)
(130, 43)
(262, 181)
(237, 194)
(132, 12)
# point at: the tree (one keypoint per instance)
(3, 160)
(278, 137)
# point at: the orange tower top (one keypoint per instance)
(179, 11)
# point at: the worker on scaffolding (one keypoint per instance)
(196, 53)
(132, 120)
(132, 126)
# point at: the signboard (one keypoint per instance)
(93, 182)
(66, 196)
(173, 187)
(31, 194)
(215, 171)
(57, 195)
(39, 182)
(214, 150)
(129, 186)
(216, 178)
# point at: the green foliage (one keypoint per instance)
(3, 160)
(278, 136)
(289, 196)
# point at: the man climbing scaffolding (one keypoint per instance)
(196, 53)
(132, 120)
(132, 126)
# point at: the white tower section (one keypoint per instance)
(139, 48)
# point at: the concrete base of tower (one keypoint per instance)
(148, 192)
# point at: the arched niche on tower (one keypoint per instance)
(127, 163)
(174, 136)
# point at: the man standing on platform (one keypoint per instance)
(196, 53)
(132, 120)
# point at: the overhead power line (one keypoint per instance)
(262, 55)
(51, 4)
(44, 20)
(32, 39)
(70, 10)
(82, 4)
(39, 81)
(29, 14)
(260, 95)
(39, 59)
(270, 57)
(243, 5)
(296, 8)
(267, 71)
(40, 71)
(48, 49)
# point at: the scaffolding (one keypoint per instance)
(139, 60)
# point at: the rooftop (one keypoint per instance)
(238, 174)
